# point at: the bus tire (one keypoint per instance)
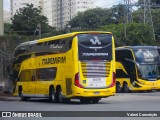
(60, 97)
(118, 87)
(125, 88)
(52, 94)
(21, 95)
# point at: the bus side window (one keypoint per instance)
(46, 74)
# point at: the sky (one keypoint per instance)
(106, 3)
(6, 4)
(98, 3)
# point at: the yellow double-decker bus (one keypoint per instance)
(137, 68)
(78, 65)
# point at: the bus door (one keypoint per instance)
(126, 57)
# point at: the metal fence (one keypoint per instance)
(4, 75)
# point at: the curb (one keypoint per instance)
(8, 97)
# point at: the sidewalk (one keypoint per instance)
(8, 97)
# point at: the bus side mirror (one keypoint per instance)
(136, 63)
(131, 61)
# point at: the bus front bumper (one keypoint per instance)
(143, 86)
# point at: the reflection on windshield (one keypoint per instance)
(149, 71)
(146, 55)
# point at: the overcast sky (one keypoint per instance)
(98, 3)
(6, 4)
(106, 3)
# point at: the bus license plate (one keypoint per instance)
(96, 82)
(96, 93)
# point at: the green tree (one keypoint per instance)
(26, 19)
(7, 27)
(155, 2)
(92, 19)
(137, 34)
(156, 24)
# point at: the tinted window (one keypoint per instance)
(122, 54)
(128, 65)
(95, 46)
(149, 71)
(46, 73)
(52, 46)
(146, 55)
(19, 51)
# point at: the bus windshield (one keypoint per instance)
(148, 60)
(148, 71)
(95, 46)
(146, 56)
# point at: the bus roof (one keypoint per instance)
(59, 37)
(26, 45)
(136, 47)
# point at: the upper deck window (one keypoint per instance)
(146, 55)
(95, 46)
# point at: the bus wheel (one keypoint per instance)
(118, 87)
(60, 97)
(52, 95)
(125, 88)
(21, 95)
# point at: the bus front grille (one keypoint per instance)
(95, 69)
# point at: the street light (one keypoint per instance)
(68, 28)
(90, 24)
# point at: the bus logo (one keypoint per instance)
(56, 46)
(95, 41)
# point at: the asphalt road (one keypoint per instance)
(119, 102)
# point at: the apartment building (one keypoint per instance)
(16, 4)
(6, 16)
(62, 11)
(58, 12)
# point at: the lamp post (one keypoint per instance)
(90, 24)
(68, 28)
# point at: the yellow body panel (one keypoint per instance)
(143, 85)
(67, 65)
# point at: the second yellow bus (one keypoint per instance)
(137, 68)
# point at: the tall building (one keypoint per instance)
(16, 4)
(6, 16)
(58, 12)
(62, 11)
